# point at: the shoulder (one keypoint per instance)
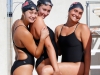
(84, 26)
(18, 22)
(58, 27)
(39, 20)
(21, 28)
(58, 30)
(39, 23)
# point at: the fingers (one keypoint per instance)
(44, 28)
(44, 32)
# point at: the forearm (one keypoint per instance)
(39, 49)
(52, 57)
(87, 62)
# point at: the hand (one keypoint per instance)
(57, 73)
(44, 32)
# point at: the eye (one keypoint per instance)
(30, 12)
(33, 12)
(75, 10)
(36, 13)
(48, 10)
(80, 13)
(44, 9)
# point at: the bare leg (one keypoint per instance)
(65, 68)
(41, 65)
(47, 70)
(39, 68)
(23, 70)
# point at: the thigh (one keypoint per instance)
(65, 68)
(42, 65)
(71, 68)
(23, 70)
(47, 70)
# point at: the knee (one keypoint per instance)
(45, 70)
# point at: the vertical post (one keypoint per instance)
(9, 45)
(88, 19)
(88, 13)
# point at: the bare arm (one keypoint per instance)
(86, 40)
(44, 33)
(57, 33)
(50, 49)
(30, 44)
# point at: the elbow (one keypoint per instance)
(37, 55)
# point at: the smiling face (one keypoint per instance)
(75, 14)
(44, 10)
(30, 16)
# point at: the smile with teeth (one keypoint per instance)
(74, 17)
(32, 19)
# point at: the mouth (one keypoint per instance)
(75, 17)
(32, 19)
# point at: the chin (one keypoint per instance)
(31, 21)
(43, 17)
(75, 20)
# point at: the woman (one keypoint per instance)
(24, 44)
(74, 41)
(49, 56)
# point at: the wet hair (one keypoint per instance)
(28, 5)
(76, 5)
(46, 2)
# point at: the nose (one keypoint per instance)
(46, 13)
(34, 15)
(77, 14)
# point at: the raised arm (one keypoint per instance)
(86, 40)
(50, 49)
(43, 35)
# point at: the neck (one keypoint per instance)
(25, 22)
(70, 23)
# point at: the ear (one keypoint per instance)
(22, 13)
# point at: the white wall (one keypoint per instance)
(57, 16)
(3, 38)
